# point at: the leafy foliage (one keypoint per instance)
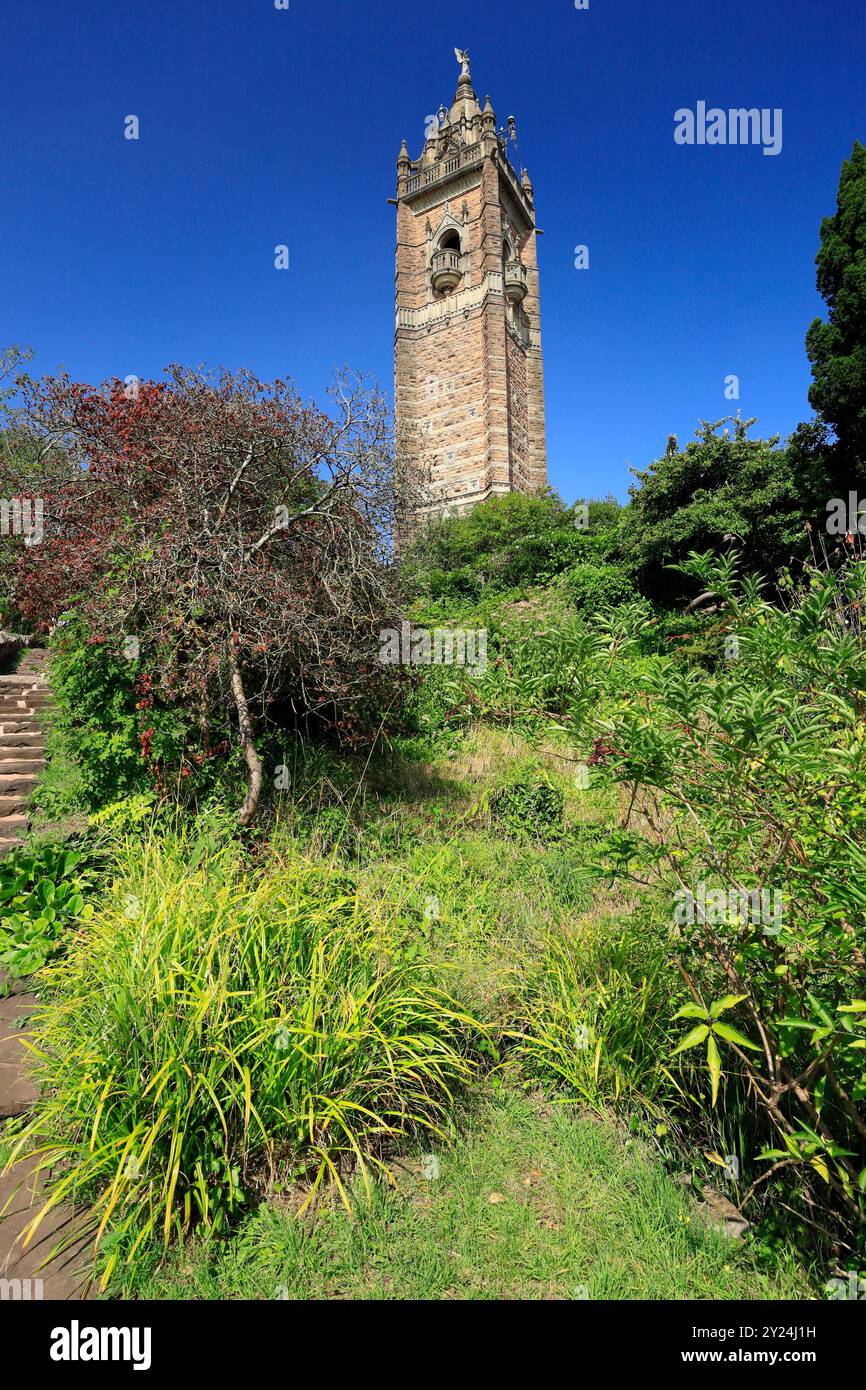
(125, 740)
(721, 486)
(751, 781)
(529, 806)
(509, 542)
(837, 346)
(42, 895)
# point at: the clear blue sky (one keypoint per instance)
(262, 126)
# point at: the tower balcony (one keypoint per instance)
(515, 282)
(446, 271)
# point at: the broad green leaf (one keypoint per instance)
(727, 1002)
(733, 1035)
(692, 1039)
(714, 1062)
(691, 1011)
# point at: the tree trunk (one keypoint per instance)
(254, 765)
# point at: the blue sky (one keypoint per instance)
(261, 126)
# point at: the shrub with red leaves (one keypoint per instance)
(240, 537)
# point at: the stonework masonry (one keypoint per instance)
(469, 383)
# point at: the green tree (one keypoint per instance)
(510, 541)
(837, 346)
(722, 487)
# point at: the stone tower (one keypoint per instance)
(469, 390)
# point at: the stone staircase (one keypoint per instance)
(23, 696)
(23, 700)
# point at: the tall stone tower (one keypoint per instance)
(469, 390)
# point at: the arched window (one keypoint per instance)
(449, 241)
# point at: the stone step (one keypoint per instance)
(20, 1190)
(16, 1093)
(17, 783)
(22, 678)
(10, 826)
(15, 690)
(23, 695)
(19, 760)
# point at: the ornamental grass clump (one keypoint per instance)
(214, 1032)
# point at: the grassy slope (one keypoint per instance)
(577, 1212)
(585, 1205)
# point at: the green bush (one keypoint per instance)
(721, 484)
(597, 587)
(95, 695)
(214, 1032)
(123, 742)
(754, 776)
(529, 806)
(510, 541)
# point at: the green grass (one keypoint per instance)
(577, 1211)
(473, 898)
(57, 802)
(522, 938)
(216, 1028)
